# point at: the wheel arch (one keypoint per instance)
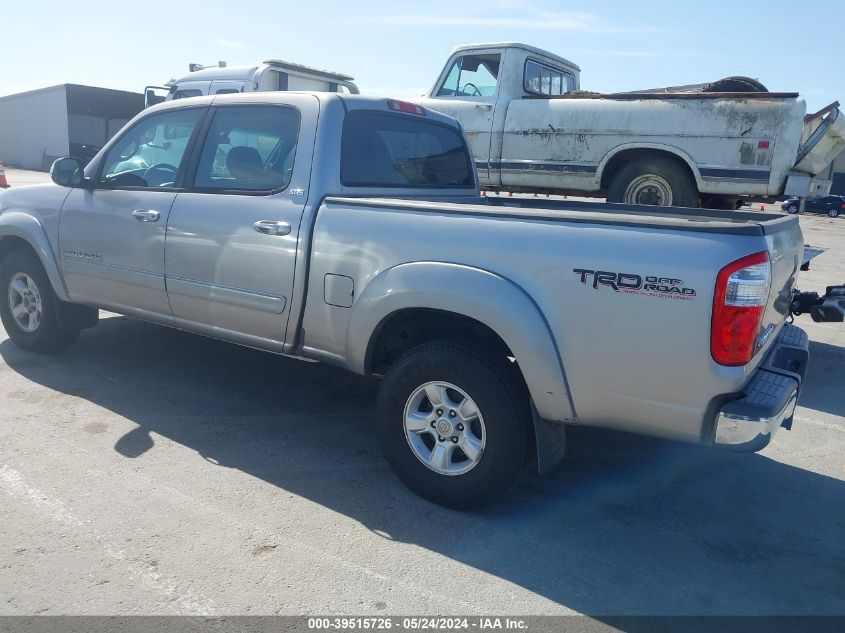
(489, 304)
(19, 230)
(613, 161)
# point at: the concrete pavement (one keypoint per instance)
(149, 471)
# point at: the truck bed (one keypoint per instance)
(632, 96)
(702, 220)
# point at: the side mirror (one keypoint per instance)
(68, 172)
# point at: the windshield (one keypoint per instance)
(471, 76)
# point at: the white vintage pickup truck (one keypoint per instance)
(532, 130)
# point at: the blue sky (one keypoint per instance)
(397, 48)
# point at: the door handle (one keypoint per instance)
(272, 227)
(146, 215)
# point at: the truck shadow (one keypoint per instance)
(826, 376)
(626, 525)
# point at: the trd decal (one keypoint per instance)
(631, 283)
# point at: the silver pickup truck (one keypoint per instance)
(350, 230)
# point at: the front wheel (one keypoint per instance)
(653, 181)
(454, 424)
(28, 309)
(833, 212)
(792, 208)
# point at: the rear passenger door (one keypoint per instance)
(232, 239)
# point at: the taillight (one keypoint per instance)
(742, 289)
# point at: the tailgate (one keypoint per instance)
(822, 141)
(786, 249)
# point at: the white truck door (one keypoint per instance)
(467, 91)
(187, 89)
(228, 86)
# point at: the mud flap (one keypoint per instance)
(550, 438)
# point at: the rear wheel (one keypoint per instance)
(28, 307)
(454, 424)
(653, 181)
(833, 212)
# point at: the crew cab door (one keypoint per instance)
(111, 236)
(232, 239)
(467, 91)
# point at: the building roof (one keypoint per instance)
(72, 87)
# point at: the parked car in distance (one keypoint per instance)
(352, 231)
(834, 206)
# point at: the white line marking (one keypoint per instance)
(816, 422)
(179, 599)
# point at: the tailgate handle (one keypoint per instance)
(272, 227)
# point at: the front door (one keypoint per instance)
(232, 239)
(111, 236)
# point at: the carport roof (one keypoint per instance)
(68, 87)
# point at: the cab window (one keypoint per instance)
(150, 154)
(379, 149)
(187, 93)
(545, 80)
(249, 148)
(471, 76)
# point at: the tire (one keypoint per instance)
(36, 326)
(502, 424)
(792, 208)
(656, 181)
(833, 212)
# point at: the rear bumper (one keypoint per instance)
(767, 402)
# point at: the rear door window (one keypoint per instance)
(249, 148)
(380, 149)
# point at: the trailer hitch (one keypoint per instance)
(828, 307)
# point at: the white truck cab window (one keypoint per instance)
(545, 80)
(471, 76)
(187, 93)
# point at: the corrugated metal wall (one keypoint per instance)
(34, 128)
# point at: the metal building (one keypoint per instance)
(38, 126)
